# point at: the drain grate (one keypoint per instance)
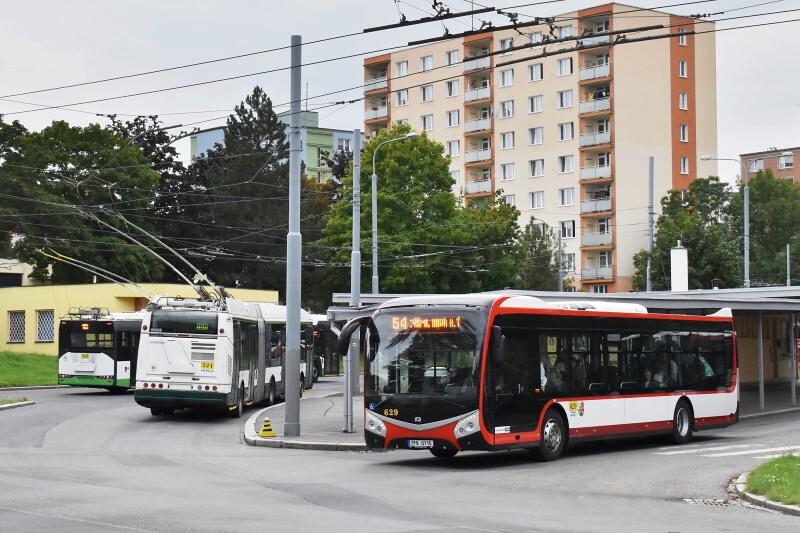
(713, 502)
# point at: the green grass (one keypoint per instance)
(27, 369)
(778, 480)
(12, 400)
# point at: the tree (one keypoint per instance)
(537, 259)
(50, 180)
(427, 242)
(774, 223)
(700, 220)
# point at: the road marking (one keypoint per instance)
(747, 452)
(712, 449)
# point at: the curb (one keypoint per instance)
(16, 405)
(36, 387)
(770, 413)
(741, 488)
(251, 438)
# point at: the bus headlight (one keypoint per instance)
(373, 424)
(467, 425)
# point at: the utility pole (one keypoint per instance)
(294, 244)
(788, 266)
(746, 236)
(351, 379)
(560, 264)
(650, 220)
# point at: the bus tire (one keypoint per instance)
(302, 384)
(237, 413)
(553, 440)
(156, 412)
(271, 397)
(682, 422)
(443, 454)
(315, 374)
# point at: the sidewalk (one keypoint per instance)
(776, 399)
(321, 423)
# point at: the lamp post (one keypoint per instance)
(375, 285)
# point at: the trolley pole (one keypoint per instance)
(650, 216)
(294, 243)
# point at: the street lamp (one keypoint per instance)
(375, 289)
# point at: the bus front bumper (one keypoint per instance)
(172, 399)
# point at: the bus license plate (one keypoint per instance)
(207, 365)
(412, 443)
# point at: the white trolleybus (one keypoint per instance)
(98, 349)
(201, 354)
(493, 372)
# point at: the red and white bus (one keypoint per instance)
(493, 372)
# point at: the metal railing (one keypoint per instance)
(594, 206)
(477, 155)
(600, 39)
(477, 125)
(596, 273)
(590, 173)
(590, 106)
(595, 239)
(477, 94)
(472, 187)
(378, 112)
(472, 64)
(597, 71)
(592, 139)
(376, 83)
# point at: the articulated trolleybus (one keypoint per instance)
(212, 355)
(493, 372)
(98, 349)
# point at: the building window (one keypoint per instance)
(506, 171)
(427, 122)
(537, 200)
(600, 289)
(566, 131)
(566, 196)
(509, 199)
(535, 103)
(604, 259)
(786, 161)
(452, 57)
(603, 159)
(564, 66)
(16, 327)
(506, 77)
(453, 118)
(505, 44)
(427, 92)
(682, 40)
(455, 175)
(754, 165)
(536, 167)
(683, 132)
(401, 121)
(683, 68)
(564, 31)
(507, 109)
(568, 262)
(684, 165)
(507, 140)
(344, 145)
(604, 225)
(535, 72)
(45, 325)
(566, 163)
(452, 88)
(401, 68)
(683, 101)
(567, 229)
(453, 148)
(536, 135)
(536, 37)
(565, 98)
(425, 63)
(402, 97)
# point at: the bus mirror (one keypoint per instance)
(343, 344)
(374, 340)
(497, 344)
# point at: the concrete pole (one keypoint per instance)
(560, 264)
(355, 258)
(294, 244)
(760, 361)
(650, 217)
(746, 237)
(375, 287)
(788, 266)
(793, 357)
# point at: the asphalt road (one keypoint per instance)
(84, 460)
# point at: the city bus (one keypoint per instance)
(98, 349)
(496, 372)
(207, 355)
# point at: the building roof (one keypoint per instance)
(772, 151)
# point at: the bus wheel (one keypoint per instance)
(302, 384)
(443, 454)
(156, 412)
(553, 441)
(682, 423)
(237, 413)
(315, 374)
(271, 393)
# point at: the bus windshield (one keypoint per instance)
(431, 354)
(196, 322)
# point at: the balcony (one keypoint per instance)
(594, 139)
(375, 84)
(477, 125)
(475, 187)
(477, 94)
(477, 155)
(596, 239)
(596, 273)
(376, 112)
(592, 106)
(472, 64)
(597, 71)
(593, 173)
(599, 39)
(596, 206)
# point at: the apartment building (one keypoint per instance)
(566, 137)
(780, 162)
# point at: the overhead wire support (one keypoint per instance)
(482, 29)
(424, 20)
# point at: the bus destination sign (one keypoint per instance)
(404, 323)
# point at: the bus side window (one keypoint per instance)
(276, 344)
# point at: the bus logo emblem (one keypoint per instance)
(417, 419)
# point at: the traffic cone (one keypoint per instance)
(266, 431)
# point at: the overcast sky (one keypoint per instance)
(51, 43)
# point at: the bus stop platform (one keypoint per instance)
(321, 425)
